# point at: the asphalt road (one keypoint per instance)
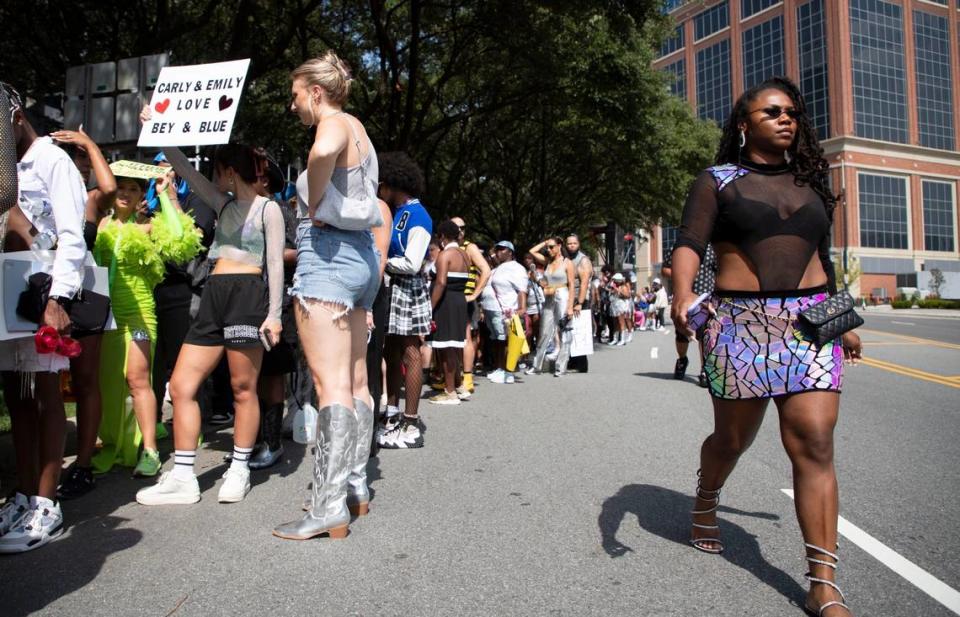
(552, 497)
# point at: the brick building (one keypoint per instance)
(879, 77)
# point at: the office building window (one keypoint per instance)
(883, 211)
(712, 20)
(812, 43)
(940, 2)
(677, 73)
(673, 43)
(763, 52)
(931, 35)
(749, 7)
(879, 78)
(669, 5)
(668, 237)
(714, 97)
(938, 216)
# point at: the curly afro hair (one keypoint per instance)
(399, 172)
(448, 230)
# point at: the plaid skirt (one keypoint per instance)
(409, 306)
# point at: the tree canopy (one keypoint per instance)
(528, 117)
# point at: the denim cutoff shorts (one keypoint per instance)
(496, 325)
(336, 265)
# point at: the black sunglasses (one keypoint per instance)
(775, 111)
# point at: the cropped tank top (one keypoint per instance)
(558, 276)
(240, 231)
(763, 211)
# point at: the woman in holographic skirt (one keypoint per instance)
(766, 208)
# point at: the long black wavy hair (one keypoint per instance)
(805, 154)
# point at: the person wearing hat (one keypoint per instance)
(507, 296)
(620, 309)
(135, 250)
(558, 289)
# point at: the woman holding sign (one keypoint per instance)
(135, 252)
(239, 315)
(335, 283)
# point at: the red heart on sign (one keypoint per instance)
(162, 106)
(225, 102)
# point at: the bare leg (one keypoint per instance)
(244, 369)
(682, 347)
(359, 379)
(807, 422)
(144, 400)
(25, 422)
(194, 365)
(449, 359)
(85, 374)
(735, 426)
(393, 358)
(328, 347)
(469, 349)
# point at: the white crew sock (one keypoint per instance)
(183, 461)
(241, 457)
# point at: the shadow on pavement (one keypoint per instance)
(668, 376)
(666, 513)
(70, 563)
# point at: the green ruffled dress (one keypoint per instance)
(136, 261)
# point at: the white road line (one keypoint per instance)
(654, 352)
(903, 323)
(920, 578)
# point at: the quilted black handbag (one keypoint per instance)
(88, 312)
(829, 319)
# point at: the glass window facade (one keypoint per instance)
(673, 43)
(669, 5)
(763, 52)
(938, 216)
(931, 35)
(714, 96)
(668, 237)
(712, 20)
(879, 78)
(812, 44)
(677, 71)
(883, 211)
(749, 7)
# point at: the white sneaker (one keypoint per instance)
(531, 371)
(11, 512)
(236, 485)
(621, 343)
(509, 378)
(40, 524)
(463, 394)
(497, 376)
(170, 491)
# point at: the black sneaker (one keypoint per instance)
(406, 434)
(702, 380)
(680, 368)
(78, 482)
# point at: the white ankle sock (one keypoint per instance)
(183, 461)
(241, 457)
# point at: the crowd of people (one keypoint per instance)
(236, 297)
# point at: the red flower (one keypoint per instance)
(46, 339)
(69, 347)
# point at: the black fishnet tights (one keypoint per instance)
(403, 352)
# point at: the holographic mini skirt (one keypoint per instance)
(752, 348)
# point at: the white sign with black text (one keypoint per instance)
(194, 105)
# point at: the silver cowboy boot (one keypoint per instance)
(335, 450)
(358, 495)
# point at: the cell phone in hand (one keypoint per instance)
(265, 339)
(698, 313)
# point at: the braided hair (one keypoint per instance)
(805, 158)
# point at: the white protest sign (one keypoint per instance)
(194, 105)
(133, 169)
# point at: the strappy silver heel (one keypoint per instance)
(822, 581)
(707, 495)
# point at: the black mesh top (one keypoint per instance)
(762, 211)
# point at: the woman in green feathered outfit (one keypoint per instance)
(135, 253)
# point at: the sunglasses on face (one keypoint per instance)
(551, 246)
(462, 227)
(775, 111)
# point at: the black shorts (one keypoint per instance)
(232, 309)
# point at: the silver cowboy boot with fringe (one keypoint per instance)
(358, 495)
(335, 450)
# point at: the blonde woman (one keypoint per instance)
(335, 285)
